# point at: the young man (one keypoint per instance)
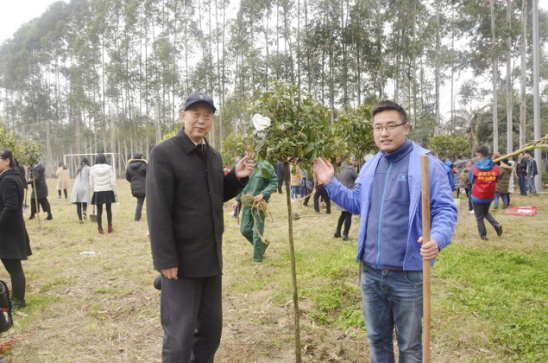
(39, 193)
(521, 172)
(186, 189)
(136, 174)
(532, 171)
(388, 197)
(262, 183)
(483, 177)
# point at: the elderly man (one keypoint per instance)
(388, 197)
(186, 188)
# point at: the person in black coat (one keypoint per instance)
(280, 173)
(136, 174)
(38, 181)
(186, 189)
(14, 239)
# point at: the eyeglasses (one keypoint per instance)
(389, 127)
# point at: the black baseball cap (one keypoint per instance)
(199, 97)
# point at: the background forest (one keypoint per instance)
(110, 75)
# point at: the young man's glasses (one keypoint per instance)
(389, 127)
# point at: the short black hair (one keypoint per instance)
(138, 155)
(505, 161)
(483, 150)
(101, 159)
(388, 105)
(528, 152)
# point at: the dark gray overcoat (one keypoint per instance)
(14, 239)
(185, 199)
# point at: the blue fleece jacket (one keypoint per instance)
(484, 164)
(443, 212)
(386, 231)
(449, 170)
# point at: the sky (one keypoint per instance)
(13, 14)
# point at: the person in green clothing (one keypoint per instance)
(262, 183)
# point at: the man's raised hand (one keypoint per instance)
(324, 171)
(244, 168)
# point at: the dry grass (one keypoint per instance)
(103, 308)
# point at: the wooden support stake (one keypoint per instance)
(298, 357)
(425, 178)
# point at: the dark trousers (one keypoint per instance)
(470, 207)
(321, 192)
(66, 195)
(345, 217)
(280, 184)
(80, 207)
(192, 318)
(100, 214)
(18, 280)
(139, 208)
(43, 202)
(307, 198)
(522, 185)
(481, 210)
(467, 193)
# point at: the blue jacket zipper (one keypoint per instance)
(380, 216)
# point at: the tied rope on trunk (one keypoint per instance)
(248, 200)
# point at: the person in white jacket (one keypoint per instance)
(103, 183)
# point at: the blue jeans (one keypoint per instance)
(295, 191)
(522, 187)
(504, 197)
(392, 299)
(531, 185)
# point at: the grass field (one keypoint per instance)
(490, 298)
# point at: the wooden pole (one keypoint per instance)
(425, 177)
(293, 265)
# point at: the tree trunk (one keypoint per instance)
(509, 88)
(523, 105)
(414, 55)
(494, 62)
(438, 41)
(453, 69)
(379, 50)
(293, 264)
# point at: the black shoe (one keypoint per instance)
(484, 238)
(345, 238)
(337, 235)
(158, 283)
(31, 217)
(498, 228)
(18, 304)
(49, 217)
(137, 219)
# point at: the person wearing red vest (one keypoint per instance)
(483, 177)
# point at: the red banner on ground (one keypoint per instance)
(521, 211)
